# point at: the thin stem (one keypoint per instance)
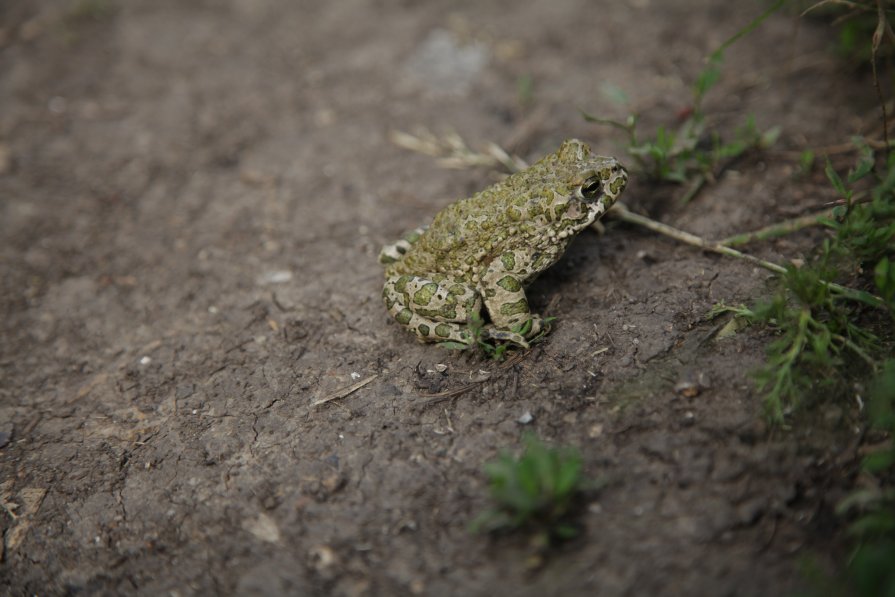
(882, 24)
(857, 350)
(620, 211)
(774, 230)
(751, 26)
(623, 213)
(696, 186)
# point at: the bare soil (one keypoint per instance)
(192, 197)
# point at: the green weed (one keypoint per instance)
(870, 570)
(856, 21)
(836, 341)
(826, 336)
(692, 152)
(536, 491)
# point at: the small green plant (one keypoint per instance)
(868, 570)
(525, 91)
(821, 327)
(692, 152)
(536, 491)
(857, 21)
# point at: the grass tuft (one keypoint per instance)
(537, 492)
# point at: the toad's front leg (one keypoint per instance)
(504, 295)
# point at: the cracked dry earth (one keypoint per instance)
(192, 197)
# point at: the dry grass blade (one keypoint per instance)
(344, 391)
(451, 393)
(882, 27)
(451, 151)
(516, 358)
(776, 230)
(446, 395)
(853, 5)
(424, 143)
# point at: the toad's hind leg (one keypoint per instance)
(395, 251)
(433, 308)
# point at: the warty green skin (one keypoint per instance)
(486, 249)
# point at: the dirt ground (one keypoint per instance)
(192, 198)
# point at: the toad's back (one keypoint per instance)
(512, 213)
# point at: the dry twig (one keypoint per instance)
(344, 391)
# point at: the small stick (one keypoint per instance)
(344, 391)
(774, 230)
(882, 27)
(450, 393)
(622, 213)
(832, 149)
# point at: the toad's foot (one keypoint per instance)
(520, 334)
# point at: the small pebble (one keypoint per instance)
(274, 277)
(687, 389)
(322, 557)
(57, 105)
(645, 257)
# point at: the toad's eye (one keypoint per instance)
(592, 189)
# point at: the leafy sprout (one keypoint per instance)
(690, 153)
(536, 491)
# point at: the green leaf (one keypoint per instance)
(858, 500)
(568, 477)
(770, 136)
(834, 179)
(528, 476)
(884, 277)
(875, 523)
(872, 570)
(614, 93)
(451, 345)
(879, 461)
(806, 161)
(865, 161)
(565, 531)
(839, 213)
(708, 77)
